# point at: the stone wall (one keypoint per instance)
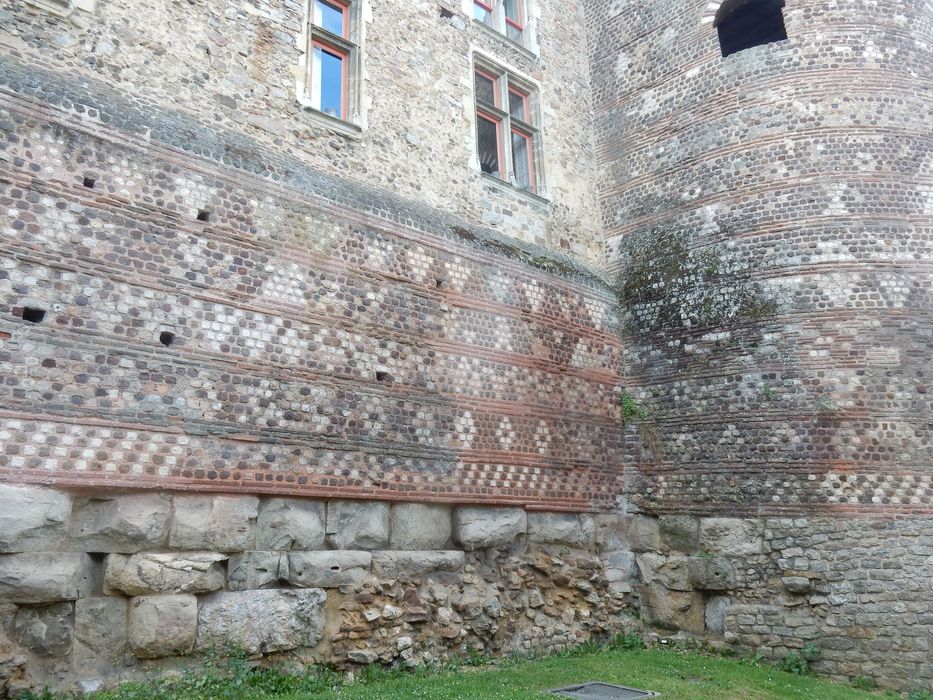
(98, 587)
(324, 338)
(232, 66)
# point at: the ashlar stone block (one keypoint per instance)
(406, 564)
(124, 523)
(327, 569)
(100, 634)
(254, 570)
(262, 621)
(419, 526)
(672, 610)
(44, 577)
(732, 536)
(561, 528)
(357, 524)
(214, 523)
(162, 625)
(480, 528)
(33, 519)
(680, 533)
(290, 523)
(46, 630)
(143, 574)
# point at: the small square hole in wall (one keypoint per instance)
(89, 182)
(438, 283)
(383, 376)
(33, 314)
(166, 338)
(204, 215)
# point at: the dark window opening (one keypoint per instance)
(33, 315)
(743, 24)
(204, 215)
(487, 137)
(166, 338)
(88, 182)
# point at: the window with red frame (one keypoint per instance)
(330, 57)
(506, 136)
(505, 16)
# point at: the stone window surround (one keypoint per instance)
(489, 63)
(360, 15)
(529, 45)
(65, 8)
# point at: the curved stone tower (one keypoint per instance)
(768, 219)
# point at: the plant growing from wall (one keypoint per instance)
(631, 409)
(798, 662)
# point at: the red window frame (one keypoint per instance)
(344, 72)
(529, 145)
(485, 6)
(500, 152)
(345, 11)
(515, 22)
(495, 85)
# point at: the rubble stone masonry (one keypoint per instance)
(334, 395)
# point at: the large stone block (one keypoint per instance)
(680, 533)
(33, 519)
(619, 567)
(642, 534)
(46, 630)
(122, 523)
(290, 523)
(711, 573)
(262, 621)
(357, 524)
(100, 634)
(732, 536)
(672, 610)
(214, 523)
(610, 532)
(671, 572)
(45, 577)
(142, 574)
(479, 528)
(561, 528)
(162, 625)
(327, 569)
(407, 564)
(715, 613)
(419, 526)
(254, 570)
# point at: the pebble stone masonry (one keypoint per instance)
(341, 398)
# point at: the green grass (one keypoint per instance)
(673, 673)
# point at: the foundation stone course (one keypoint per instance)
(419, 526)
(480, 528)
(100, 634)
(162, 625)
(357, 524)
(290, 523)
(408, 564)
(214, 523)
(44, 577)
(125, 523)
(33, 519)
(262, 621)
(328, 569)
(672, 610)
(710, 573)
(142, 574)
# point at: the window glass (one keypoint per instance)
(521, 159)
(485, 88)
(327, 81)
(513, 19)
(487, 139)
(329, 16)
(517, 105)
(482, 12)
